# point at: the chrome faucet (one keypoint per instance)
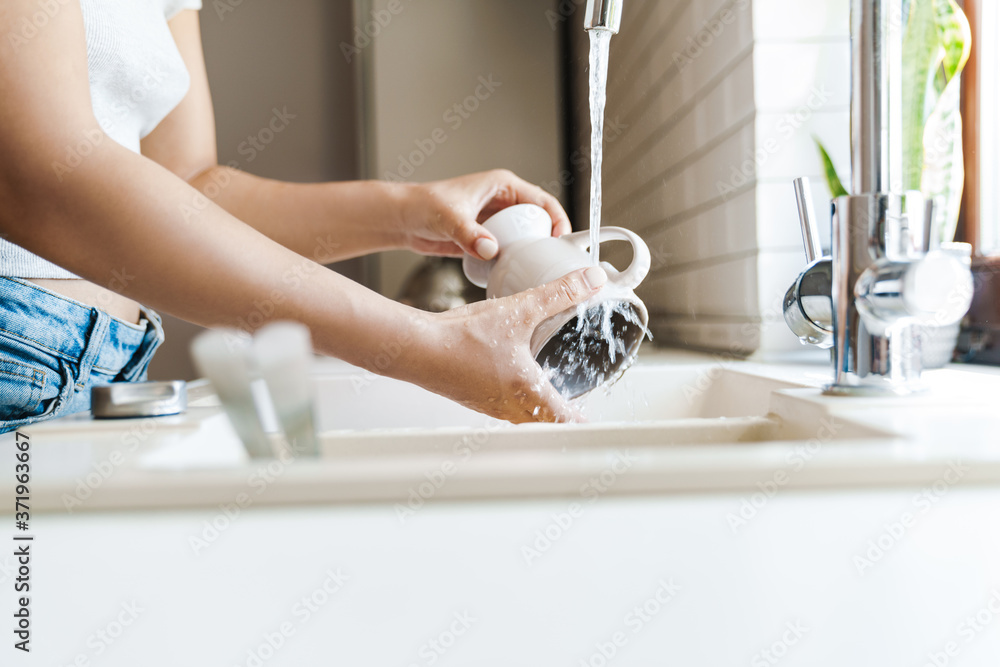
(603, 15)
(886, 279)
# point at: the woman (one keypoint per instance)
(111, 197)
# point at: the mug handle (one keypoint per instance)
(636, 272)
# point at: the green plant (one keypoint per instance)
(936, 45)
(832, 180)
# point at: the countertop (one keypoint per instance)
(802, 440)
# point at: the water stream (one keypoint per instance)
(600, 45)
(601, 342)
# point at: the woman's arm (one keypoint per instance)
(118, 218)
(363, 216)
(119, 213)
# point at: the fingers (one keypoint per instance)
(552, 298)
(498, 190)
(515, 190)
(560, 221)
(437, 248)
(553, 407)
(541, 402)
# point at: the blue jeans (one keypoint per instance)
(54, 349)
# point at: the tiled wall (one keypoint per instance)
(715, 104)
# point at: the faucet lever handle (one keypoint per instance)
(807, 218)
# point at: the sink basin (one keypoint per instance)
(349, 400)
(654, 404)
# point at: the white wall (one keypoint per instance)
(718, 101)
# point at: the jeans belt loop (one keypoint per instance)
(151, 340)
(96, 338)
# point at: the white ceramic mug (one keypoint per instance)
(530, 256)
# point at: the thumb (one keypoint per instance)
(572, 289)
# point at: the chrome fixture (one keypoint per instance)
(603, 15)
(807, 307)
(437, 284)
(129, 400)
(887, 279)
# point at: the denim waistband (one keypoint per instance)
(67, 328)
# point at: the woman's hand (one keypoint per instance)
(479, 355)
(443, 217)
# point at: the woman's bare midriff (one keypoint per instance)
(93, 295)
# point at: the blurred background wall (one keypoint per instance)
(264, 55)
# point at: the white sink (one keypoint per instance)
(350, 401)
(656, 403)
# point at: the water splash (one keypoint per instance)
(594, 349)
(600, 48)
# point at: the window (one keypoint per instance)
(988, 70)
(980, 339)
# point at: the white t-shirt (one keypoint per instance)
(137, 77)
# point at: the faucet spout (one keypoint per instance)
(885, 284)
(604, 15)
(876, 96)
